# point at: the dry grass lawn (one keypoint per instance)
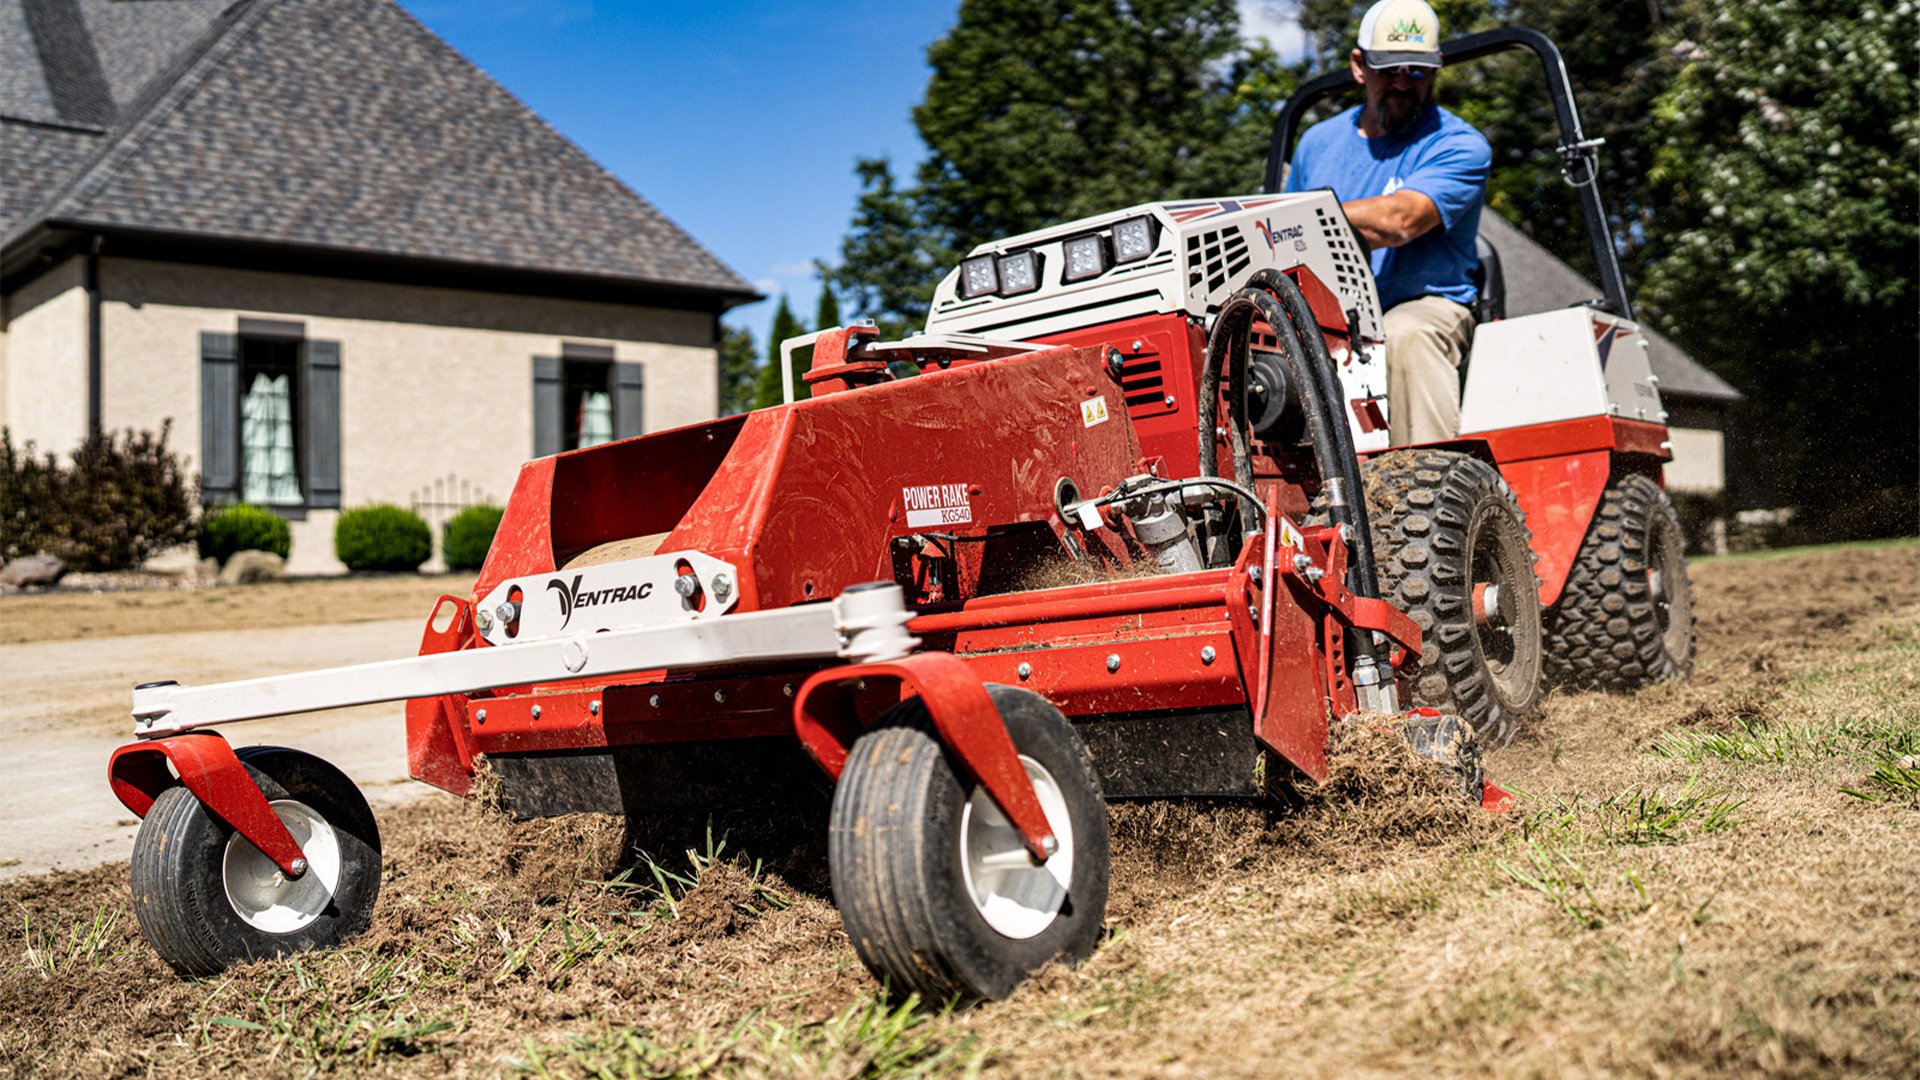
(1708, 878)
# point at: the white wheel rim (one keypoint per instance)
(1016, 898)
(262, 895)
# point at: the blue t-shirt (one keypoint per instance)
(1443, 158)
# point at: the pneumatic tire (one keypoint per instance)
(932, 884)
(1446, 527)
(206, 898)
(1625, 618)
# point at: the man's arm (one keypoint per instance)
(1388, 221)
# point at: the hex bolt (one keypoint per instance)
(654, 701)
(1255, 574)
(593, 708)
(1113, 662)
(787, 689)
(299, 867)
(1169, 401)
(720, 696)
(481, 716)
(722, 587)
(1050, 845)
(1026, 671)
(483, 619)
(1138, 345)
(536, 712)
(507, 611)
(1207, 654)
(686, 585)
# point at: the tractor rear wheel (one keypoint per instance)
(1625, 618)
(934, 885)
(205, 897)
(1452, 550)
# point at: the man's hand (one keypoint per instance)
(1388, 221)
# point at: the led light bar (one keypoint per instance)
(1019, 273)
(979, 277)
(1087, 257)
(1134, 239)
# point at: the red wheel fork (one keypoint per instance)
(209, 768)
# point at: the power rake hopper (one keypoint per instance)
(1109, 540)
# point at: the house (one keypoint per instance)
(1697, 401)
(345, 264)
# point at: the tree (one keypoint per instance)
(769, 391)
(1785, 248)
(1044, 112)
(739, 364)
(826, 315)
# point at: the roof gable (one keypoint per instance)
(346, 125)
(1537, 281)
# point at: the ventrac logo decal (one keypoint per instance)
(572, 599)
(936, 504)
(1273, 236)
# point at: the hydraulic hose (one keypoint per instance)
(1347, 501)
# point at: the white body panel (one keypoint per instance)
(1558, 365)
(1205, 252)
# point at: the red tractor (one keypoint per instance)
(1129, 530)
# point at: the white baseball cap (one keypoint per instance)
(1397, 32)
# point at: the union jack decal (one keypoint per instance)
(1194, 211)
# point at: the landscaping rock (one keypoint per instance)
(248, 567)
(30, 570)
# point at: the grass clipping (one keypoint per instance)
(1378, 790)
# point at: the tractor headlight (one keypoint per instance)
(1133, 239)
(1086, 258)
(1019, 273)
(978, 277)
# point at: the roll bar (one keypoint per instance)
(1578, 154)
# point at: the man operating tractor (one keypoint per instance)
(1412, 177)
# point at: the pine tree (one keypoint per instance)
(768, 390)
(739, 370)
(826, 315)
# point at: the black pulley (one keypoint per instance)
(1273, 408)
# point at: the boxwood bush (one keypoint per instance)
(243, 527)
(382, 537)
(467, 536)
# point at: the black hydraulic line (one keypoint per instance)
(1305, 333)
(1577, 152)
(1234, 346)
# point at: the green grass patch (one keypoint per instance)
(84, 945)
(1588, 898)
(1888, 543)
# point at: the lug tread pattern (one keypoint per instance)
(1604, 632)
(1422, 505)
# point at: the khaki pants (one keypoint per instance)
(1426, 338)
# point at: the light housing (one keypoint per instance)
(1086, 257)
(1135, 239)
(979, 276)
(1019, 273)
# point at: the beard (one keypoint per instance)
(1400, 110)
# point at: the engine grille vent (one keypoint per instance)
(1216, 258)
(1350, 267)
(1142, 382)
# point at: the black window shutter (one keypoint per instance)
(629, 399)
(219, 418)
(548, 404)
(320, 381)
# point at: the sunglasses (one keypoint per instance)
(1407, 70)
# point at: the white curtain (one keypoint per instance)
(268, 477)
(596, 418)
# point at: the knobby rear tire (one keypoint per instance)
(1610, 629)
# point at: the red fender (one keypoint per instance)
(212, 772)
(962, 713)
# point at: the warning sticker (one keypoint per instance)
(1093, 411)
(1290, 536)
(936, 504)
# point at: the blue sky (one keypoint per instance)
(740, 121)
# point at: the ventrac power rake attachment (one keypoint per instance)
(1103, 531)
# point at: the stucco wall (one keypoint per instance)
(436, 384)
(1699, 460)
(44, 366)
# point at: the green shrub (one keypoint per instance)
(243, 527)
(468, 535)
(382, 537)
(120, 498)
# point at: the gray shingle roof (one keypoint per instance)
(336, 124)
(1537, 282)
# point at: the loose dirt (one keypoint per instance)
(65, 614)
(1686, 889)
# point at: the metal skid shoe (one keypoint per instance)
(250, 854)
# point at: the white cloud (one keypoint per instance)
(801, 269)
(1276, 21)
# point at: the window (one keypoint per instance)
(585, 397)
(270, 417)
